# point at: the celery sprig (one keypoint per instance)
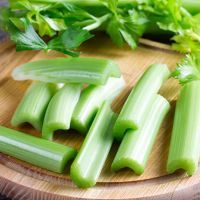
(188, 69)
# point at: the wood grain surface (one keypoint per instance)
(23, 181)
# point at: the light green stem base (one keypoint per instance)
(137, 145)
(37, 151)
(60, 109)
(140, 99)
(89, 162)
(184, 149)
(33, 105)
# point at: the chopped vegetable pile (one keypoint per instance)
(77, 93)
(87, 108)
(82, 100)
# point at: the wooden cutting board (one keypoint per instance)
(20, 180)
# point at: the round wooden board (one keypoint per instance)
(20, 180)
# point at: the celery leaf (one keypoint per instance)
(188, 69)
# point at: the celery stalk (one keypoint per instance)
(184, 149)
(60, 110)
(137, 144)
(80, 2)
(37, 151)
(193, 6)
(91, 100)
(89, 162)
(33, 105)
(140, 99)
(64, 70)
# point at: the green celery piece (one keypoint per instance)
(33, 105)
(140, 99)
(60, 110)
(193, 6)
(89, 162)
(37, 151)
(64, 70)
(184, 149)
(91, 100)
(137, 144)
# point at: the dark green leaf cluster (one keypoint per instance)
(69, 23)
(170, 15)
(125, 24)
(28, 39)
(58, 21)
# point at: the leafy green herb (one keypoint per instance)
(170, 15)
(27, 39)
(188, 69)
(125, 21)
(30, 40)
(126, 24)
(70, 39)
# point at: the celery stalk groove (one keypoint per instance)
(91, 100)
(33, 105)
(68, 70)
(37, 151)
(60, 110)
(140, 99)
(137, 144)
(89, 162)
(184, 147)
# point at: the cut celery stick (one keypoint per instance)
(91, 100)
(33, 105)
(137, 144)
(60, 110)
(64, 70)
(140, 99)
(184, 149)
(37, 151)
(89, 162)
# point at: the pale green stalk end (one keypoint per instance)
(60, 109)
(184, 149)
(37, 151)
(91, 100)
(92, 155)
(137, 144)
(33, 105)
(68, 70)
(140, 99)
